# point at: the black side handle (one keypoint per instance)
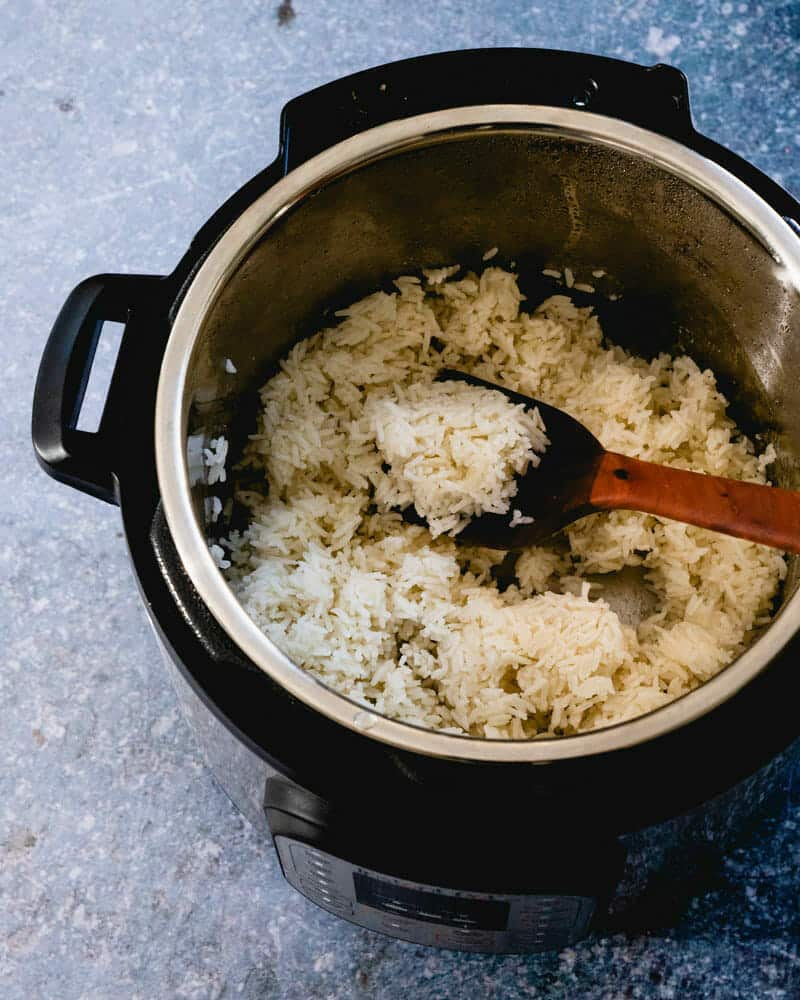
(654, 97)
(85, 460)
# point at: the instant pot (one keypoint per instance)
(558, 159)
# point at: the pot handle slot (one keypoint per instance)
(654, 97)
(83, 459)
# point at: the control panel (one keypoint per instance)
(434, 915)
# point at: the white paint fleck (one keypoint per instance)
(636, 11)
(230, 367)
(200, 985)
(49, 725)
(82, 920)
(163, 724)
(567, 958)
(208, 850)
(325, 962)
(659, 44)
(124, 147)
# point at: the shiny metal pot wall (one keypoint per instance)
(688, 243)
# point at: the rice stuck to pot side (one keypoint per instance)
(414, 626)
(453, 450)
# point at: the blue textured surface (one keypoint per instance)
(124, 871)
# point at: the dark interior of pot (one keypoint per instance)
(687, 273)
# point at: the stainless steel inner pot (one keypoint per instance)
(681, 238)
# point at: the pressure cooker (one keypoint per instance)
(561, 160)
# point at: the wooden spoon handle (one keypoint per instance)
(764, 514)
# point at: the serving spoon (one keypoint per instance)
(576, 476)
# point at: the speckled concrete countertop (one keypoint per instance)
(124, 870)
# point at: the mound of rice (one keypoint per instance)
(453, 450)
(414, 626)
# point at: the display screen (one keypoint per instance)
(421, 904)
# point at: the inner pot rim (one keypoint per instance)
(171, 417)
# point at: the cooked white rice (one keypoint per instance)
(214, 458)
(213, 508)
(452, 449)
(517, 517)
(414, 626)
(218, 555)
